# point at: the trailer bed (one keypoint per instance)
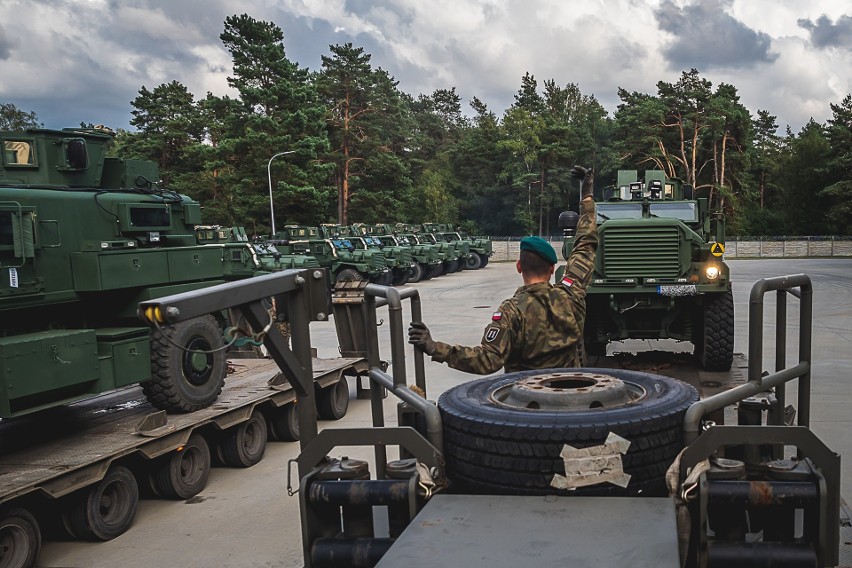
(60, 450)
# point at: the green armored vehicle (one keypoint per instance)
(426, 259)
(437, 255)
(456, 252)
(659, 271)
(83, 239)
(268, 256)
(476, 251)
(338, 255)
(398, 260)
(400, 257)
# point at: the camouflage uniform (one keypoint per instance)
(541, 326)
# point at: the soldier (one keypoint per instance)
(541, 326)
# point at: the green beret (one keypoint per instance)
(540, 247)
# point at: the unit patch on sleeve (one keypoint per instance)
(492, 333)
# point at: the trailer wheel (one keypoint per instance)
(508, 431)
(243, 445)
(183, 474)
(20, 539)
(473, 262)
(333, 400)
(104, 510)
(284, 423)
(714, 347)
(183, 379)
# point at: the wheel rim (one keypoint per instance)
(567, 391)
(14, 545)
(114, 503)
(197, 366)
(252, 437)
(191, 466)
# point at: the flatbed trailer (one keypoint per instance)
(78, 470)
(749, 483)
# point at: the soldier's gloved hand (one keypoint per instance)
(420, 338)
(588, 177)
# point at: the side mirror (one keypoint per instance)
(568, 222)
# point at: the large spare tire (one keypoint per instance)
(503, 435)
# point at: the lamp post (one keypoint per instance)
(269, 175)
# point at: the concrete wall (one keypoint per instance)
(507, 250)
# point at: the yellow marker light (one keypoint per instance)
(712, 272)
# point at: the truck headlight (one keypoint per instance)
(712, 272)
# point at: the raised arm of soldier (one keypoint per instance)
(540, 326)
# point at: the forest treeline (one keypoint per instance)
(350, 146)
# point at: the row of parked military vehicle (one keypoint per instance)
(384, 254)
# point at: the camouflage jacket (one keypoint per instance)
(541, 326)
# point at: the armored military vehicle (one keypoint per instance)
(338, 255)
(83, 239)
(456, 253)
(426, 259)
(478, 251)
(399, 259)
(430, 247)
(268, 256)
(659, 271)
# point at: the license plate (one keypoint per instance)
(679, 290)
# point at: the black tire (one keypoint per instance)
(20, 539)
(284, 423)
(437, 270)
(473, 262)
(383, 279)
(714, 347)
(333, 400)
(485, 258)
(348, 274)
(184, 473)
(490, 444)
(181, 380)
(426, 271)
(451, 266)
(400, 277)
(104, 510)
(243, 445)
(415, 274)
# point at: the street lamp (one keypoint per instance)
(269, 175)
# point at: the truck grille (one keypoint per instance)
(404, 256)
(377, 260)
(634, 251)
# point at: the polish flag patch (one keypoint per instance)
(496, 316)
(567, 282)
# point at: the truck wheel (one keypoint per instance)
(714, 348)
(484, 261)
(400, 277)
(333, 400)
(183, 379)
(508, 431)
(473, 262)
(104, 510)
(284, 423)
(383, 279)
(20, 539)
(437, 270)
(451, 266)
(426, 270)
(243, 445)
(184, 473)
(349, 274)
(415, 274)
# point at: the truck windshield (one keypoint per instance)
(685, 211)
(619, 211)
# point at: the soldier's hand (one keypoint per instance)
(587, 175)
(420, 338)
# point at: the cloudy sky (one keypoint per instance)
(85, 60)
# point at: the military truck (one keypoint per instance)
(478, 251)
(399, 259)
(83, 239)
(269, 257)
(434, 256)
(338, 255)
(455, 257)
(426, 259)
(660, 270)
